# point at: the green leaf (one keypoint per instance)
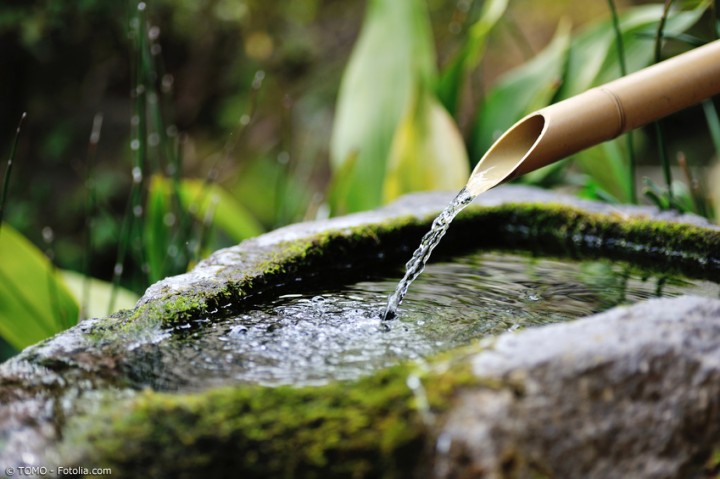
(393, 54)
(267, 188)
(206, 202)
(35, 303)
(521, 91)
(339, 189)
(594, 61)
(593, 58)
(99, 293)
(157, 234)
(212, 201)
(453, 77)
(428, 152)
(606, 164)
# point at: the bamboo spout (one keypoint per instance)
(600, 114)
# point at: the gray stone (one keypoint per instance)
(633, 392)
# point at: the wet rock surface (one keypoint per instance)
(633, 392)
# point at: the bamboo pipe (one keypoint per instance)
(599, 114)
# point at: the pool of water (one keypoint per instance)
(336, 333)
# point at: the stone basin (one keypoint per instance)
(631, 392)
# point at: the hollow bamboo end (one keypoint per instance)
(502, 160)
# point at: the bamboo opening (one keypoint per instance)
(507, 153)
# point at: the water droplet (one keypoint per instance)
(154, 32)
(48, 235)
(283, 158)
(258, 79)
(171, 131)
(137, 175)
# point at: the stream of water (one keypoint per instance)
(479, 183)
(420, 257)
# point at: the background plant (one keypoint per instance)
(210, 122)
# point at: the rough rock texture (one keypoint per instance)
(630, 393)
(634, 392)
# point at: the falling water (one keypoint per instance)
(478, 183)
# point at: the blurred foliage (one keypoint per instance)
(225, 118)
(392, 62)
(566, 68)
(391, 135)
(468, 57)
(34, 301)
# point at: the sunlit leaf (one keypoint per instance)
(35, 303)
(428, 152)
(205, 202)
(266, 188)
(212, 201)
(393, 54)
(338, 192)
(98, 292)
(453, 77)
(519, 92)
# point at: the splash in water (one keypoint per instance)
(431, 239)
(479, 183)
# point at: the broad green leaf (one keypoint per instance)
(98, 292)
(452, 79)
(206, 202)
(266, 188)
(521, 91)
(593, 54)
(607, 167)
(35, 303)
(212, 201)
(393, 54)
(339, 189)
(428, 152)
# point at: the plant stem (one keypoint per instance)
(662, 149)
(8, 170)
(134, 210)
(89, 209)
(623, 71)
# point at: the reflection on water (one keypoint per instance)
(335, 334)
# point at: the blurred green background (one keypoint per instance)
(229, 107)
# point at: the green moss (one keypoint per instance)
(565, 230)
(541, 228)
(369, 428)
(374, 427)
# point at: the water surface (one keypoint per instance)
(312, 337)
